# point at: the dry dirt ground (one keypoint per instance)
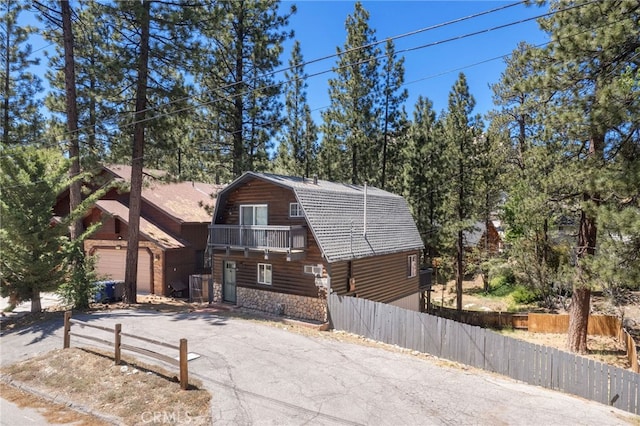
(132, 393)
(601, 348)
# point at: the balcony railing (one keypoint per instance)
(272, 238)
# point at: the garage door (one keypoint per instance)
(111, 263)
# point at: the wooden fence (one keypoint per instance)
(601, 325)
(118, 346)
(488, 350)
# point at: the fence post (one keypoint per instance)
(116, 343)
(67, 330)
(184, 372)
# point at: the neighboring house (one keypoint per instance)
(480, 236)
(173, 229)
(279, 243)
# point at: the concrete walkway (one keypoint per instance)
(259, 374)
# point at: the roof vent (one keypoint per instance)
(315, 179)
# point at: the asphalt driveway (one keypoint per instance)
(259, 375)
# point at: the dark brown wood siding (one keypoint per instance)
(256, 192)
(287, 277)
(379, 278)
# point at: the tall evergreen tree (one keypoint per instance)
(294, 155)
(393, 119)
(98, 75)
(22, 121)
(426, 175)
(350, 123)
(244, 39)
(529, 211)
(593, 115)
(462, 131)
(32, 257)
(150, 40)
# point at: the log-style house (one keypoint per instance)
(173, 228)
(280, 243)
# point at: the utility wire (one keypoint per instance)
(333, 69)
(312, 61)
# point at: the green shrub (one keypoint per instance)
(500, 286)
(524, 295)
(80, 287)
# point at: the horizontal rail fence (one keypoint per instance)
(118, 346)
(488, 350)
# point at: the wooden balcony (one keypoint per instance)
(286, 239)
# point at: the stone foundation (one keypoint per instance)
(301, 307)
(310, 308)
(217, 292)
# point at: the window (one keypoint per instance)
(412, 266)
(264, 273)
(253, 215)
(315, 270)
(295, 210)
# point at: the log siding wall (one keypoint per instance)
(380, 278)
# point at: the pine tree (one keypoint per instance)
(32, 258)
(529, 211)
(593, 116)
(350, 131)
(462, 131)
(98, 74)
(150, 42)
(21, 119)
(295, 153)
(426, 175)
(244, 41)
(393, 119)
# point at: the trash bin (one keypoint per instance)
(109, 291)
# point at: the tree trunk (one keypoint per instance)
(578, 320)
(75, 195)
(459, 269)
(137, 161)
(238, 166)
(36, 304)
(587, 239)
(7, 84)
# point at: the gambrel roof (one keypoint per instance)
(335, 214)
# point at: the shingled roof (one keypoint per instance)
(184, 201)
(335, 214)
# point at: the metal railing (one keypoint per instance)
(274, 238)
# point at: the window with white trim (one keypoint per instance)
(295, 210)
(412, 265)
(264, 273)
(253, 214)
(315, 270)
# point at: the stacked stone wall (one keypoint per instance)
(309, 308)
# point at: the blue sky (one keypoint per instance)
(432, 71)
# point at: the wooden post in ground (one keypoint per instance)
(184, 371)
(67, 330)
(116, 343)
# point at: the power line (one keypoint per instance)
(333, 69)
(266, 75)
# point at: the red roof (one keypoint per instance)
(147, 229)
(185, 201)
